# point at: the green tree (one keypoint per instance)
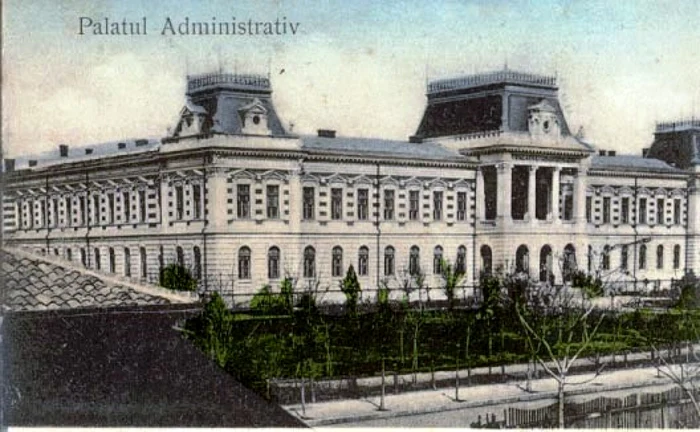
(178, 278)
(268, 303)
(689, 288)
(212, 331)
(351, 288)
(451, 278)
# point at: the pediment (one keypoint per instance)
(254, 107)
(543, 106)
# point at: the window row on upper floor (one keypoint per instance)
(644, 211)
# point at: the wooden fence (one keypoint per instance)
(671, 408)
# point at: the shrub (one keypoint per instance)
(178, 278)
(689, 287)
(268, 303)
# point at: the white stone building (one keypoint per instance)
(492, 178)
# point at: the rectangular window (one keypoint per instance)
(142, 206)
(30, 208)
(389, 204)
(677, 211)
(110, 204)
(54, 206)
(606, 210)
(625, 210)
(589, 209)
(309, 204)
(69, 211)
(414, 204)
(96, 209)
(362, 204)
(20, 213)
(437, 205)
(179, 203)
(461, 206)
(336, 204)
(243, 201)
(197, 201)
(568, 207)
(273, 202)
(42, 213)
(642, 210)
(660, 209)
(126, 202)
(83, 212)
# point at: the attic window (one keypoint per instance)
(256, 119)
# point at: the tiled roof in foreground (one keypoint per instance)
(37, 283)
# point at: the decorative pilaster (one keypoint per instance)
(580, 197)
(216, 198)
(480, 199)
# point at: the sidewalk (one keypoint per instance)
(442, 400)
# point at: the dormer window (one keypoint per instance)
(543, 119)
(254, 118)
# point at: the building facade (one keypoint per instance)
(493, 178)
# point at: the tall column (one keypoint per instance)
(505, 184)
(555, 194)
(532, 193)
(580, 197)
(164, 199)
(480, 198)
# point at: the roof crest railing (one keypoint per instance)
(491, 78)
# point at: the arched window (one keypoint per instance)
(389, 261)
(83, 257)
(660, 257)
(197, 262)
(144, 263)
(486, 260)
(180, 256)
(363, 261)
(546, 274)
(127, 262)
(97, 258)
(676, 257)
(309, 262)
(437, 260)
(337, 263)
(642, 257)
(244, 263)
(273, 263)
(414, 261)
(569, 262)
(605, 258)
(461, 262)
(69, 254)
(522, 259)
(112, 260)
(624, 256)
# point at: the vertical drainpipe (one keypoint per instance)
(205, 197)
(88, 203)
(46, 215)
(376, 223)
(636, 224)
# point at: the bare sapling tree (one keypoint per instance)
(560, 324)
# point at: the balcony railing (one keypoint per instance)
(679, 125)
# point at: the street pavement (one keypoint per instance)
(438, 408)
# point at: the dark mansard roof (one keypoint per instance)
(379, 147)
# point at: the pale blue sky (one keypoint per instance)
(358, 67)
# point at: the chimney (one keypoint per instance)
(645, 152)
(32, 163)
(326, 133)
(121, 146)
(602, 152)
(63, 150)
(9, 165)
(415, 139)
(612, 153)
(88, 151)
